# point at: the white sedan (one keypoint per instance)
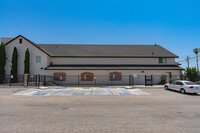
(183, 86)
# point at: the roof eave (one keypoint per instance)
(114, 56)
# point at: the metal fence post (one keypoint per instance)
(35, 80)
(44, 80)
(52, 79)
(151, 80)
(38, 80)
(78, 80)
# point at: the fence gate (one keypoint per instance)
(148, 80)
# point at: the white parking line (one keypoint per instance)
(138, 92)
(100, 91)
(28, 92)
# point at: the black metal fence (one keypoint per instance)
(33, 80)
(12, 79)
(100, 80)
(105, 80)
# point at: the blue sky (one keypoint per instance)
(174, 24)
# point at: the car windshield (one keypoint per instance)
(189, 83)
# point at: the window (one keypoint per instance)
(190, 83)
(20, 41)
(179, 83)
(38, 59)
(173, 82)
(87, 76)
(115, 76)
(162, 60)
(59, 76)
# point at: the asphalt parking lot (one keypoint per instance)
(153, 110)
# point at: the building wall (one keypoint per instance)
(35, 68)
(73, 77)
(38, 68)
(124, 72)
(109, 60)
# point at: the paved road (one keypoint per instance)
(161, 112)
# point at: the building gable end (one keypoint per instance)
(35, 45)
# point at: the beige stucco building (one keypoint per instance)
(91, 60)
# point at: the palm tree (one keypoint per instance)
(196, 51)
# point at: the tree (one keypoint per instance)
(191, 73)
(14, 65)
(2, 62)
(27, 62)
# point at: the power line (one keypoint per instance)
(187, 57)
(191, 61)
(188, 61)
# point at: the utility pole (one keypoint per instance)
(197, 64)
(188, 61)
(197, 68)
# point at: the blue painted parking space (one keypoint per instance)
(58, 91)
(79, 94)
(126, 88)
(110, 91)
(124, 93)
(82, 91)
(91, 91)
(45, 88)
(39, 94)
(69, 91)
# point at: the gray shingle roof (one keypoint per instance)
(70, 50)
(115, 51)
(6, 39)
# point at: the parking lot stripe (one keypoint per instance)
(94, 87)
(91, 91)
(69, 91)
(110, 91)
(75, 87)
(58, 91)
(44, 88)
(124, 93)
(79, 94)
(39, 94)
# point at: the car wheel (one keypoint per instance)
(166, 87)
(182, 91)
